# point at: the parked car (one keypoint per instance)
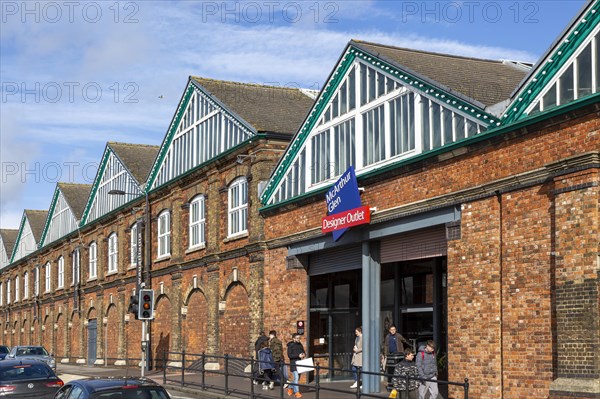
(32, 352)
(4, 351)
(113, 388)
(27, 379)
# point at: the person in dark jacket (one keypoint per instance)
(295, 352)
(427, 368)
(406, 368)
(258, 344)
(277, 351)
(266, 366)
(393, 350)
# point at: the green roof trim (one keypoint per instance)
(497, 131)
(570, 42)
(18, 239)
(407, 79)
(49, 219)
(183, 104)
(95, 185)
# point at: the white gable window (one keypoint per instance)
(76, 269)
(197, 222)
(48, 277)
(17, 289)
(238, 206)
(164, 234)
(36, 281)
(8, 293)
(320, 157)
(113, 253)
(61, 273)
(133, 245)
(26, 285)
(93, 261)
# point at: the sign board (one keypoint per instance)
(344, 208)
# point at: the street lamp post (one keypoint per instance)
(143, 275)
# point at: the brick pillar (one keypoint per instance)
(213, 213)
(256, 296)
(212, 301)
(100, 349)
(176, 318)
(121, 311)
(577, 284)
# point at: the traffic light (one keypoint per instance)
(300, 327)
(146, 305)
(134, 305)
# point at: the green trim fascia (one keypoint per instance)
(94, 191)
(332, 85)
(183, 104)
(18, 239)
(49, 219)
(586, 101)
(552, 64)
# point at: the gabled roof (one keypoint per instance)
(487, 82)
(267, 108)
(37, 221)
(76, 196)
(9, 238)
(553, 60)
(137, 158)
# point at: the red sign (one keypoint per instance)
(349, 218)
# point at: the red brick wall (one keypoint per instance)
(195, 325)
(234, 323)
(161, 329)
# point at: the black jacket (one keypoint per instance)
(294, 349)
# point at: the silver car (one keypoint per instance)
(32, 352)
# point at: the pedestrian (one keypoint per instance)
(393, 351)
(258, 344)
(406, 377)
(357, 356)
(266, 365)
(277, 351)
(427, 368)
(295, 352)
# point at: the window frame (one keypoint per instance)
(75, 267)
(199, 224)
(48, 277)
(133, 244)
(26, 285)
(113, 253)
(238, 190)
(60, 274)
(93, 261)
(163, 237)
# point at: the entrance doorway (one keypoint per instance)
(414, 298)
(334, 315)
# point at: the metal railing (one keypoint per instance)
(237, 376)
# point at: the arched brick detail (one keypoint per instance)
(161, 329)
(75, 347)
(112, 330)
(61, 336)
(25, 332)
(234, 322)
(229, 283)
(47, 334)
(195, 324)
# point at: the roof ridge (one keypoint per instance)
(357, 41)
(132, 144)
(298, 89)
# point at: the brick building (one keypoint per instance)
(482, 179)
(482, 183)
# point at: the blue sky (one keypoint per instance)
(75, 75)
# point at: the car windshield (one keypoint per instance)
(132, 393)
(25, 372)
(32, 351)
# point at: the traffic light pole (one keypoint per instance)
(144, 348)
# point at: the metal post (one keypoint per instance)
(143, 340)
(146, 279)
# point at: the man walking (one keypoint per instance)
(277, 352)
(427, 368)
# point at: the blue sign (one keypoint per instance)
(343, 196)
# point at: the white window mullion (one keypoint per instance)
(387, 131)
(418, 115)
(595, 61)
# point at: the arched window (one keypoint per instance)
(197, 221)
(26, 285)
(61, 273)
(113, 252)
(133, 245)
(93, 261)
(48, 277)
(238, 207)
(164, 234)
(76, 270)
